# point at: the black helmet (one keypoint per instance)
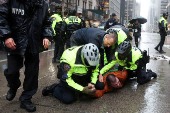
(72, 11)
(165, 14)
(124, 48)
(58, 7)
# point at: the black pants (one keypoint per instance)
(140, 73)
(136, 40)
(66, 94)
(59, 47)
(68, 45)
(15, 63)
(161, 43)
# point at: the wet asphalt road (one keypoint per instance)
(152, 97)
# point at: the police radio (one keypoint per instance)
(146, 57)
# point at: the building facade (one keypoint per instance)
(114, 7)
(128, 11)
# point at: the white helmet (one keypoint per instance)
(90, 52)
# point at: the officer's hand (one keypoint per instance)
(89, 90)
(46, 43)
(10, 43)
(92, 86)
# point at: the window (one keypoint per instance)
(90, 5)
(85, 5)
(78, 2)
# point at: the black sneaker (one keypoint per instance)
(54, 60)
(162, 52)
(12, 92)
(28, 105)
(49, 89)
(156, 49)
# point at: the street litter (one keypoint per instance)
(161, 57)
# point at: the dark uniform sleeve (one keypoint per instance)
(47, 26)
(63, 29)
(116, 22)
(83, 23)
(162, 25)
(106, 26)
(5, 31)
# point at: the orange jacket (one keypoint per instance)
(121, 75)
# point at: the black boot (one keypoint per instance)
(58, 61)
(153, 73)
(12, 92)
(28, 105)
(54, 60)
(162, 52)
(156, 49)
(49, 89)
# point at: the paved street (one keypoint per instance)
(152, 97)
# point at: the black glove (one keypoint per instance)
(120, 68)
(88, 90)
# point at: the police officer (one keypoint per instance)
(78, 74)
(122, 34)
(133, 60)
(137, 31)
(25, 29)
(59, 42)
(163, 32)
(82, 20)
(98, 37)
(111, 22)
(70, 24)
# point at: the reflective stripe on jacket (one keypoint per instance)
(165, 22)
(136, 55)
(56, 19)
(69, 57)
